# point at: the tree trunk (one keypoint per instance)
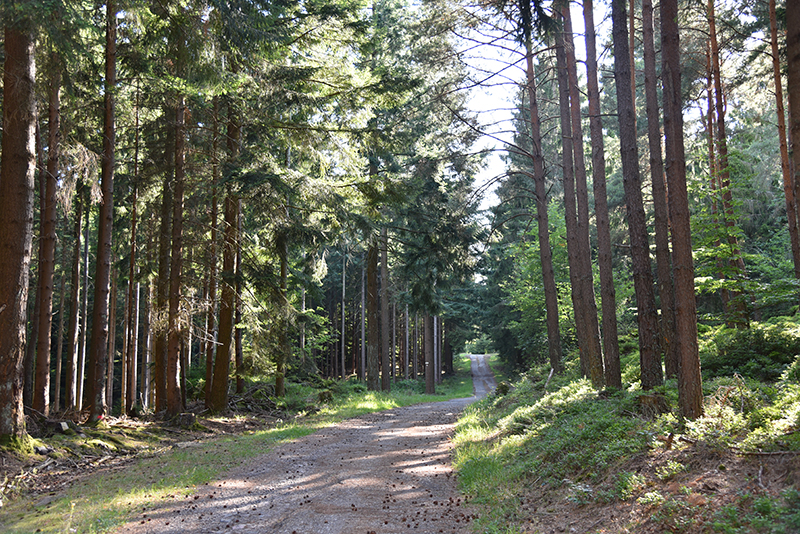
(174, 330)
(344, 281)
(237, 333)
(385, 333)
(98, 356)
(162, 284)
(131, 314)
(594, 355)
(608, 297)
(59, 347)
(405, 347)
(80, 401)
(71, 381)
(392, 363)
(133, 349)
(792, 214)
(227, 306)
(793, 92)
(647, 315)
(362, 372)
(570, 206)
(542, 219)
(430, 363)
(147, 348)
(284, 350)
(112, 337)
(47, 261)
(212, 260)
(690, 391)
(660, 209)
(738, 307)
(33, 334)
(373, 317)
(16, 223)
(219, 390)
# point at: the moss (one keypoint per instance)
(23, 444)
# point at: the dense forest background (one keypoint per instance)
(194, 194)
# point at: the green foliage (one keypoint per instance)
(628, 484)
(762, 351)
(760, 514)
(669, 469)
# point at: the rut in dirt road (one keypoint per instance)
(383, 473)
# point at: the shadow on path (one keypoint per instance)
(382, 473)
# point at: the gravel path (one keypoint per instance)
(382, 473)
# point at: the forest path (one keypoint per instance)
(382, 473)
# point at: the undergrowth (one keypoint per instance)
(574, 447)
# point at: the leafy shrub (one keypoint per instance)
(628, 484)
(762, 352)
(791, 375)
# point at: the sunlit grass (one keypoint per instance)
(100, 503)
(536, 440)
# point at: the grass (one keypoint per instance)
(100, 503)
(573, 451)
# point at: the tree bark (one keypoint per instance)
(59, 347)
(237, 333)
(219, 389)
(342, 333)
(647, 316)
(542, 218)
(80, 401)
(430, 363)
(47, 261)
(594, 355)
(690, 391)
(162, 285)
(792, 213)
(570, 206)
(608, 297)
(227, 305)
(386, 383)
(71, 381)
(373, 329)
(174, 330)
(16, 223)
(212, 261)
(660, 209)
(98, 356)
(793, 91)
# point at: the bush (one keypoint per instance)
(762, 352)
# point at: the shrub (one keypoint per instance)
(762, 352)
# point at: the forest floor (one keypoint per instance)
(385, 472)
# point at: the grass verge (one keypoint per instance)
(572, 458)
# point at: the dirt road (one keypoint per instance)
(382, 473)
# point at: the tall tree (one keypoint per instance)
(608, 298)
(47, 261)
(594, 356)
(647, 315)
(16, 219)
(384, 300)
(737, 309)
(660, 209)
(373, 315)
(540, 192)
(690, 391)
(98, 352)
(792, 213)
